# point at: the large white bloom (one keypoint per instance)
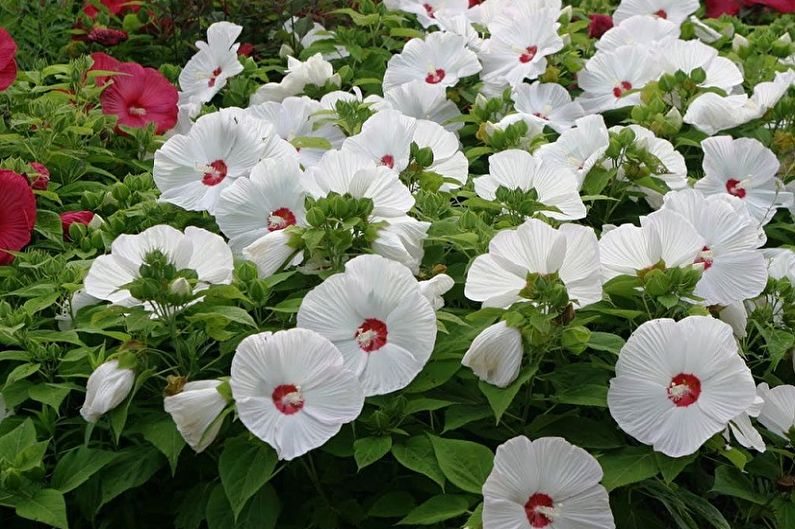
(440, 59)
(746, 169)
(375, 313)
(426, 10)
(640, 30)
(107, 387)
(608, 76)
(547, 104)
(679, 383)
(385, 139)
(207, 71)
(547, 483)
(495, 354)
(778, 412)
(418, 99)
(579, 148)
(192, 169)
(676, 11)
(402, 240)
(571, 251)
(271, 199)
(195, 410)
(687, 55)
(196, 249)
(292, 390)
(314, 71)
(516, 169)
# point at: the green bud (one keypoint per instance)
(626, 136)
(657, 283)
(575, 339)
(315, 216)
(698, 75)
(424, 157)
(246, 271)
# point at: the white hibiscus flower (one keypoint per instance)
(676, 11)
(207, 71)
(547, 104)
(609, 76)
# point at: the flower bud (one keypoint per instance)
(495, 355)
(434, 288)
(180, 287)
(195, 411)
(71, 217)
(39, 179)
(107, 387)
(739, 42)
(286, 51)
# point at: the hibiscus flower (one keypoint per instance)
(676, 11)
(8, 63)
(17, 214)
(207, 71)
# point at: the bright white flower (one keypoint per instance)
(705, 33)
(781, 263)
(107, 387)
(519, 45)
(735, 315)
(744, 431)
(376, 315)
(197, 249)
(188, 109)
(292, 391)
(458, 23)
(298, 117)
(420, 100)
(80, 299)
(679, 383)
(662, 236)
(547, 104)
(489, 10)
(440, 59)
(207, 71)
(314, 71)
(402, 240)
(191, 170)
(579, 148)
(778, 412)
(608, 76)
(272, 252)
(498, 277)
(734, 270)
(271, 199)
(434, 288)
(449, 161)
(426, 10)
(195, 410)
(746, 169)
(676, 11)
(385, 139)
(687, 55)
(534, 127)
(516, 169)
(641, 30)
(547, 483)
(495, 355)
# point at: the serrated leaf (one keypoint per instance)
(46, 506)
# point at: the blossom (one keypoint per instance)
(420, 100)
(547, 104)
(676, 11)
(687, 55)
(555, 186)
(579, 148)
(734, 270)
(207, 72)
(79, 300)
(195, 411)
(548, 483)
(106, 36)
(439, 59)
(196, 249)
(781, 263)
(375, 313)
(107, 387)
(114, 7)
(192, 169)
(426, 10)
(499, 278)
(385, 139)
(640, 30)
(746, 169)
(743, 430)
(435, 288)
(271, 252)
(8, 63)
(778, 412)
(608, 77)
(716, 8)
(679, 383)
(401, 240)
(495, 354)
(449, 161)
(314, 71)
(17, 214)
(599, 25)
(292, 390)
(270, 200)
(40, 177)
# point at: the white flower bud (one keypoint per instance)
(195, 410)
(180, 287)
(96, 222)
(286, 51)
(675, 117)
(495, 355)
(434, 288)
(107, 387)
(739, 42)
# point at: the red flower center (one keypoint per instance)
(473, 3)
(435, 77)
(705, 257)
(371, 335)
(280, 219)
(213, 77)
(622, 87)
(388, 160)
(661, 13)
(684, 389)
(287, 399)
(216, 172)
(529, 54)
(735, 187)
(534, 514)
(136, 111)
(540, 115)
(429, 10)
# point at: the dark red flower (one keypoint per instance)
(106, 63)
(783, 6)
(245, 49)
(106, 36)
(70, 217)
(8, 63)
(17, 213)
(115, 7)
(599, 25)
(716, 8)
(39, 177)
(139, 96)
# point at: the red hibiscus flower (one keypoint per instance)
(17, 213)
(245, 49)
(106, 36)
(784, 6)
(599, 25)
(8, 63)
(116, 7)
(39, 177)
(136, 95)
(716, 8)
(70, 217)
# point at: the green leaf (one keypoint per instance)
(118, 415)
(311, 142)
(21, 372)
(392, 505)
(583, 432)
(417, 454)
(671, 467)
(584, 395)
(288, 306)
(132, 468)
(464, 463)
(46, 506)
(475, 520)
(48, 223)
(434, 374)
(17, 440)
(628, 465)
(785, 513)
(731, 482)
(50, 394)
(245, 466)
(406, 33)
(76, 466)
(605, 341)
(228, 313)
(436, 509)
(368, 450)
(501, 398)
(457, 416)
(260, 513)
(165, 437)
